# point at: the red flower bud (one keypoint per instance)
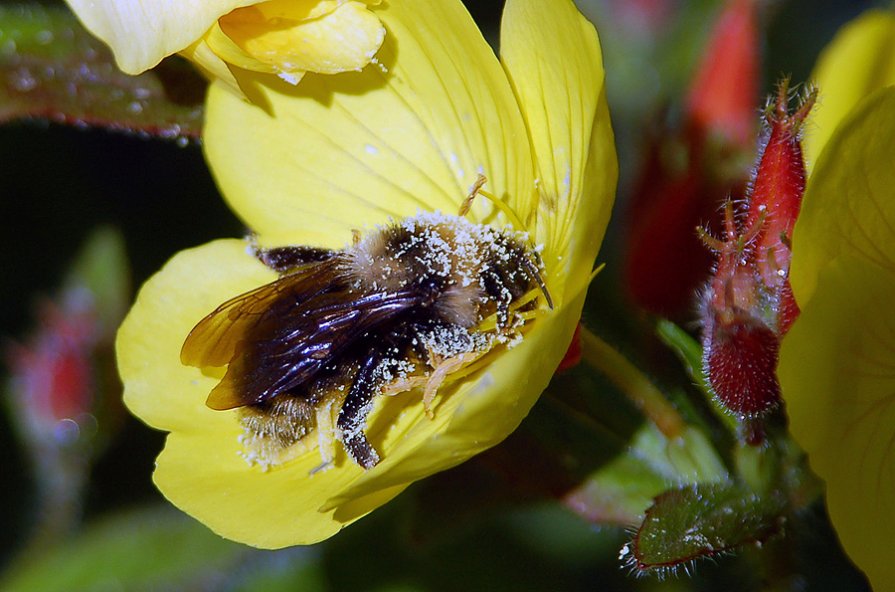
(741, 360)
(775, 200)
(52, 376)
(748, 304)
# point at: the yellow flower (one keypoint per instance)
(837, 365)
(226, 37)
(351, 152)
(860, 60)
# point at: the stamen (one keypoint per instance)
(515, 222)
(489, 323)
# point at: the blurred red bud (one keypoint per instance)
(687, 170)
(62, 379)
(52, 380)
(722, 96)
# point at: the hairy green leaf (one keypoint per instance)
(702, 520)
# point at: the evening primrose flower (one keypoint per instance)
(345, 153)
(860, 60)
(836, 364)
(225, 37)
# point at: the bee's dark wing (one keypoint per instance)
(215, 340)
(287, 349)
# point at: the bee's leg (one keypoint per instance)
(283, 259)
(357, 405)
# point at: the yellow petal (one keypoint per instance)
(859, 60)
(847, 193)
(836, 363)
(836, 370)
(193, 284)
(201, 470)
(211, 65)
(552, 56)
(142, 32)
(278, 36)
(351, 150)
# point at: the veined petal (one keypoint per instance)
(552, 56)
(847, 203)
(859, 60)
(277, 36)
(193, 284)
(837, 364)
(142, 32)
(201, 469)
(351, 150)
(837, 370)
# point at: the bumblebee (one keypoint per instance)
(405, 304)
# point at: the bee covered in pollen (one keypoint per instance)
(402, 307)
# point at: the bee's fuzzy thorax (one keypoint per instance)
(448, 250)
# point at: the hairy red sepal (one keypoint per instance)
(748, 304)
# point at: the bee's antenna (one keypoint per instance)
(534, 270)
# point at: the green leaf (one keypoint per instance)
(620, 491)
(51, 68)
(102, 268)
(702, 520)
(689, 351)
(155, 549)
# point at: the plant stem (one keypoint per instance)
(633, 383)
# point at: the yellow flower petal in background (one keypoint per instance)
(835, 207)
(350, 152)
(142, 32)
(223, 37)
(837, 364)
(343, 40)
(859, 60)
